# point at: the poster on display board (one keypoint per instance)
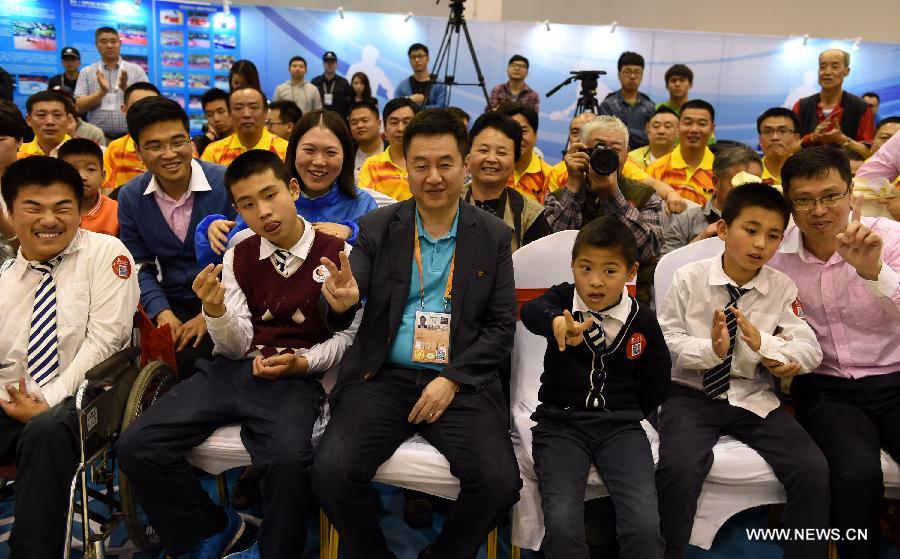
(196, 46)
(30, 39)
(130, 18)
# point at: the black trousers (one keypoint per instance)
(46, 451)
(852, 420)
(369, 422)
(276, 419)
(690, 424)
(566, 443)
(186, 309)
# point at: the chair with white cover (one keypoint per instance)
(538, 266)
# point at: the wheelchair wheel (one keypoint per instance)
(153, 381)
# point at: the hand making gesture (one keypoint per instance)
(859, 246)
(568, 331)
(340, 289)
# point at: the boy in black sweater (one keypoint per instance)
(606, 368)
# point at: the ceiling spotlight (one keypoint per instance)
(226, 7)
(856, 43)
(612, 26)
(546, 23)
(341, 11)
(805, 39)
(408, 17)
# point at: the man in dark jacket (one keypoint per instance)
(436, 377)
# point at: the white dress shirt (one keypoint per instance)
(232, 332)
(613, 318)
(771, 304)
(95, 308)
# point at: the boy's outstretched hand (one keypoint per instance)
(568, 331)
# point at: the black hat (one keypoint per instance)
(329, 56)
(70, 52)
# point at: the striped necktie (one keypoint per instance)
(43, 352)
(594, 337)
(281, 257)
(716, 379)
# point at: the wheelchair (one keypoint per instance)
(122, 391)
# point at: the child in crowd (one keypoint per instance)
(719, 387)
(606, 368)
(320, 157)
(272, 347)
(99, 212)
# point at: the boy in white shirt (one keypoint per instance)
(720, 386)
(271, 348)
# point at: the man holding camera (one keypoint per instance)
(596, 188)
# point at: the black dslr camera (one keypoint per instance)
(604, 161)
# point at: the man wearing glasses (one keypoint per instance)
(778, 137)
(846, 269)
(158, 213)
(516, 90)
(416, 87)
(628, 104)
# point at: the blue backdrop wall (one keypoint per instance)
(741, 75)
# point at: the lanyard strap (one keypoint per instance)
(418, 253)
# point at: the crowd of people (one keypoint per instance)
(316, 230)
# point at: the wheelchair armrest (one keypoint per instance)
(107, 372)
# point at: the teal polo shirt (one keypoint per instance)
(436, 257)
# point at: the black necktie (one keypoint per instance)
(716, 379)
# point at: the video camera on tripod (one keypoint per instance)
(587, 99)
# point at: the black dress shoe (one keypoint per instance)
(417, 510)
(245, 493)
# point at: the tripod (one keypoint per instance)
(587, 97)
(442, 61)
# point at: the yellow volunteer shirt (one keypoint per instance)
(379, 172)
(32, 148)
(227, 149)
(533, 182)
(767, 176)
(559, 175)
(121, 162)
(695, 185)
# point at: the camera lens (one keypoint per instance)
(604, 161)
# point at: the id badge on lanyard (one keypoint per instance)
(431, 331)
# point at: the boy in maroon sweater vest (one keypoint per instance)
(271, 347)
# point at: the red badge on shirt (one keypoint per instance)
(636, 345)
(798, 308)
(121, 267)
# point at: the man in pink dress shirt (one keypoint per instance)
(846, 270)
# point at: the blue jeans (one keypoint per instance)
(369, 422)
(566, 443)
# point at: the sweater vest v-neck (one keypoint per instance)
(283, 310)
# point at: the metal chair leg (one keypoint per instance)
(67, 552)
(324, 529)
(492, 544)
(832, 551)
(515, 552)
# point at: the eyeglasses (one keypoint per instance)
(632, 73)
(830, 201)
(174, 145)
(769, 132)
(520, 65)
(417, 56)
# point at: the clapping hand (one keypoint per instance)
(721, 340)
(210, 290)
(340, 288)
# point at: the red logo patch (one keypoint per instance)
(797, 307)
(121, 267)
(637, 343)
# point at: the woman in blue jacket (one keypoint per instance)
(320, 157)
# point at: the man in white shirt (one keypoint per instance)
(66, 304)
(297, 89)
(271, 347)
(718, 386)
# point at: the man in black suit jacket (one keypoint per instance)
(384, 392)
